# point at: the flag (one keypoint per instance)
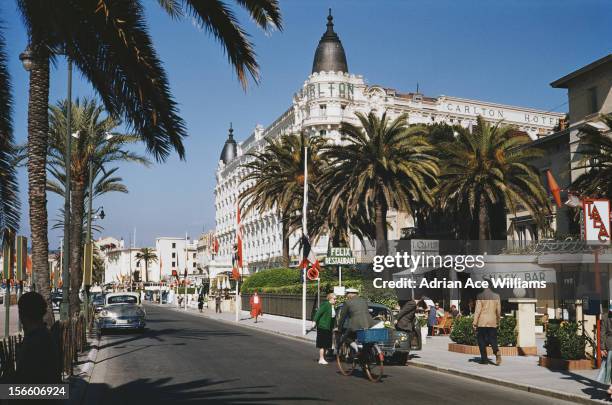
(554, 188)
(235, 274)
(308, 256)
(216, 246)
(238, 239)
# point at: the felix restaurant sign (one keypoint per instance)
(340, 256)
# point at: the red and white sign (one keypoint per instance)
(596, 213)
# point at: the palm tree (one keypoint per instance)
(596, 151)
(96, 145)
(111, 46)
(146, 255)
(275, 181)
(488, 166)
(381, 166)
(9, 200)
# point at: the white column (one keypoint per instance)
(525, 322)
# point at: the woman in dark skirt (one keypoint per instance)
(324, 320)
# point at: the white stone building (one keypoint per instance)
(329, 96)
(176, 254)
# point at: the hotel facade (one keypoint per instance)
(329, 96)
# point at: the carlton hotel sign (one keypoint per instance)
(328, 89)
(498, 113)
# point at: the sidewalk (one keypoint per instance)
(520, 372)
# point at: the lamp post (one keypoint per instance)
(27, 60)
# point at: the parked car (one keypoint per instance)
(122, 311)
(397, 347)
(98, 302)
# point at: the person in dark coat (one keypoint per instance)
(201, 302)
(218, 303)
(38, 358)
(324, 320)
(354, 316)
(405, 318)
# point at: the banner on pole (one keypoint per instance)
(8, 251)
(87, 263)
(22, 258)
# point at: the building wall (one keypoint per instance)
(318, 107)
(172, 255)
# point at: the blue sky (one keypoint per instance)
(506, 52)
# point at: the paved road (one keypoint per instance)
(185, 359)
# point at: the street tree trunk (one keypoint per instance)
(380, 208)
(285, 230)
(38, 139)
(76, 241)
(483, 224)
(146, 271)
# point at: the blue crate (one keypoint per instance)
(372, 335)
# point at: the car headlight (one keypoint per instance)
(104, 313)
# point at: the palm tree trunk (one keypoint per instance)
(76, 242)
(483, 228)
(285, 230)
(380, 208)
(146, 270)
(38, 139)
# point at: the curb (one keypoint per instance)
(517, 386)
(80, 382)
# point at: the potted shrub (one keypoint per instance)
(565, 345)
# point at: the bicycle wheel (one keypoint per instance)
(373, 363)
(345, 359)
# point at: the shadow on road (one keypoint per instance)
(162, 391)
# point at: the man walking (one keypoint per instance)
(486, 319)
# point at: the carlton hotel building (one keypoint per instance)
(329, 96)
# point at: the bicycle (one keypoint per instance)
(370, 357)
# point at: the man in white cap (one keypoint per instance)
(354, 316)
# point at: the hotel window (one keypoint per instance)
(194, 264)
(173, 264)
(174, 246)
(173, 255)
(194, 255)
(323, 108)
(322, 132)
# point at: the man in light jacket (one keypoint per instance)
(486, 319)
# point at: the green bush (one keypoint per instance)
(563, 341)
(506, 331)
(463, 332)
(271, 278)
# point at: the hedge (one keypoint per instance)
(463, 332)
(564, 342)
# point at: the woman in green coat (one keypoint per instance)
(324, 320)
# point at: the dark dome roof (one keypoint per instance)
(230, 149)
(330, 56)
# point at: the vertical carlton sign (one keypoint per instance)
(596, 214)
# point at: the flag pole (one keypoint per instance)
(305, 233)
(237, 259)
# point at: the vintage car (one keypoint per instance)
(397, 347)
(97, 302)
(122, 311)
